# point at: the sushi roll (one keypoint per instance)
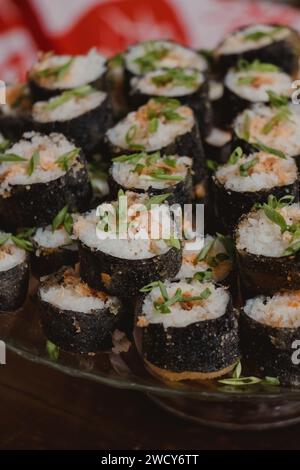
(53, 245)
(251, 83)
(14, 273)
(268, 242)
(269, 327)
(188, 85)
(187, 331)
(151, 55)
(153, 173)
(248, 179)
(75, 317)
(122, 261)
(39, 175)
(275, 127)
(53, 74)
(208, 259)
(217, 145)
(82, 114)
(276, 44)
(15, 115)
(162, 124)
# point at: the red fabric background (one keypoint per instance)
(74, 26)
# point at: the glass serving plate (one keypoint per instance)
(207, 402)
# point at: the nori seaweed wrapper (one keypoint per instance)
(13, 126)
(198, 101)
(37, 205)
(218, 153)
(125, 277)
(86, 130)
(206, 346)
(232, 105)
(14, 287)
(268, 350)
(51, 260)
(265, 275)
(230, 205)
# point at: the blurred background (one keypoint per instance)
(74, 26)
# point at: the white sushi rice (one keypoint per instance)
(74, 107)
(145, 84)
(278, 82)
(215, 90)
(209, 309)
(190, 266)
(137, 243)
(282, 310)
(77, 297)
(237, 42)
(284, 136)
(218, 137)
(166, 133)
(50, 148)
(258, 235)
(83, 70)
(123, 174)
(176, 56)
(269, 172)
(10, 255)
(47, 238)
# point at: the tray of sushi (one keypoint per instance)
(213, 321)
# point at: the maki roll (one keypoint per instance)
(248, 179)
(276, 44)
(269, 327)
(208, 259)
(275, 127)
(122, 257)
(254, 82)
(161, 124)
(14, 273)
(189, 86)
(268, 243)
(75, 317)
(217, 145)
(160, 54)
(187, 331)
(53, 245)
(53, 74)
(15, 115)
(82, 114)
(39, 175)
(153, 173)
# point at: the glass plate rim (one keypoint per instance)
(283, 393)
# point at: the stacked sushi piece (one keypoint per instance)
(223, 132)
(256, 192)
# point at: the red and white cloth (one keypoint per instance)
(74, 26)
